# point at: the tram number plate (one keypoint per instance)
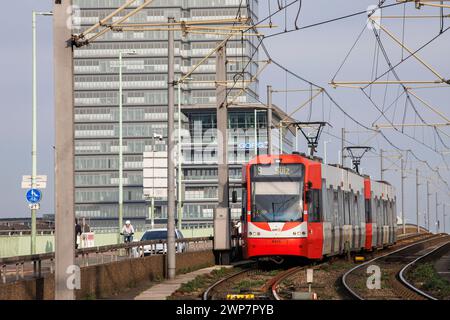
(279, 242)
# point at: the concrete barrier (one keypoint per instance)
(105, 280)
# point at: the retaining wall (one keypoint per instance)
(100, 281)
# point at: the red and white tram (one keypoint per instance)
(294, 205)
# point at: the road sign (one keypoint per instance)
(42, 178)
(309, 275)
(34, 196)
(37, 185)
(34, 206)
(40, 182)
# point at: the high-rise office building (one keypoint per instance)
(145, 109)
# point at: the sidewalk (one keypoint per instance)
(162, 290)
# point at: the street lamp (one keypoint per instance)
(34, 122)
(179, 202)
(121, 53)
(152, 207)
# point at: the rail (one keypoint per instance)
(207, 293)
(352, 292)
(18, 267)
(402, 272)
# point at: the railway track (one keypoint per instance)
(328, 290)
(264, 283)
(390, 266)
(278, 280)
(428, 256)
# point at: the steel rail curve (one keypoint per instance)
(344, 277)
(214, 285)
(402, 277)
(278, 279)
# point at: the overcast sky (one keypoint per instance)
(315, 54)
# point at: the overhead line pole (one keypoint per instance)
(171, 267)
(417, 200)
(403, 195)
(437, 217)
(269, 118)
(64, 143)
(444, 216)
(342, 146)
(120, 147)
(222, 241)
(428, 205)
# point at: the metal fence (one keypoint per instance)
(24, 232)
(35, 266)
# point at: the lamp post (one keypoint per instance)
(179, 202)
(152, 205)
(437, 217)
(34, 124)
(121, 53)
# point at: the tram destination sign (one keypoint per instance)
(280, 170)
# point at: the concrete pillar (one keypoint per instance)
(64, 145)
(222, 239)
(170, 160)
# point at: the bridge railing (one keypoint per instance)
(34, 266)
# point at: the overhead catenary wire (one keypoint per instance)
(332, 101)
(380, 45)
(336, 104)
(326, 21)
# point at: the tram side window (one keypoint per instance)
(325, 203)
(394, 213)
(347, 208)
(315, 212)
(330, 199)
(355, 210)
(379, 213)
(368, 210)
(341, 213)
(361, 208)
(334, 206)
(373, 209)
(244, 204)
(390, 213)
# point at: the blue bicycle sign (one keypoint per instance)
(34, 196)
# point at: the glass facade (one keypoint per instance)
(145, 109)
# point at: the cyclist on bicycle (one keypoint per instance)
(127, 232)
